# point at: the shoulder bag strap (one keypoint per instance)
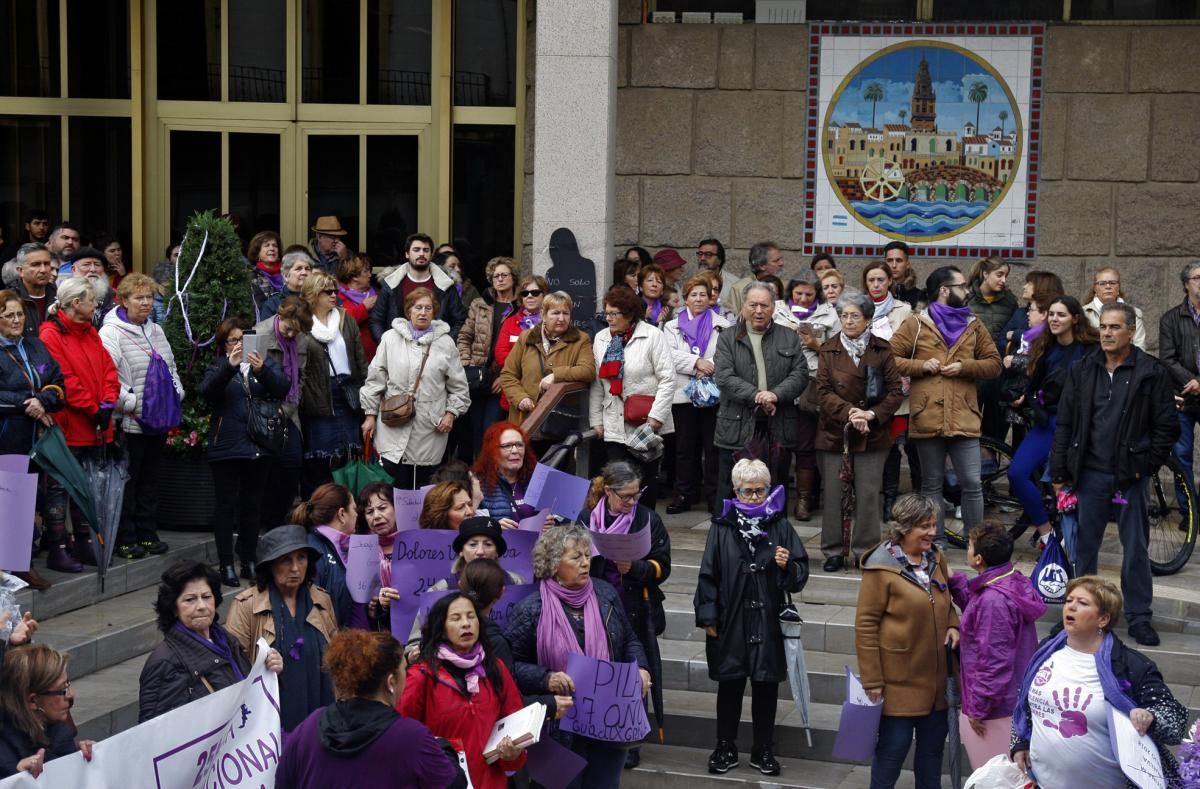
(421, 369)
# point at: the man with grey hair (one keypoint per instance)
(765, 260)
(1116, 426)
(295, 268)
(88, 263)
(1179, 350)
(33, 285)
(760, 370)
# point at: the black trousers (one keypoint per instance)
(139, 510)
(282, 483)
(406, 476)
(695, 455)
(764, 696)
(239, 487)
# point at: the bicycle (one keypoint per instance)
(1173, 531)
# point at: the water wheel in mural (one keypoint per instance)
(882, 181)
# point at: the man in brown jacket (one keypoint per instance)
(945, 349)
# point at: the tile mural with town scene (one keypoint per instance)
(923, 140)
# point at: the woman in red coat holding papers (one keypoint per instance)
(459, 690)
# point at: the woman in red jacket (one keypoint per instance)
(459, 691)
(357, 297)
(90, 380)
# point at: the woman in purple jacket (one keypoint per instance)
(1000, 609)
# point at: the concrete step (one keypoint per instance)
(71, 592)
(106, 702)
(679, 767)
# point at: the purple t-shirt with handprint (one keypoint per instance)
(1070, 724)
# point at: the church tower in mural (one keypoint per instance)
(924, 102)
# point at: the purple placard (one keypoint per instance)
(408, 505)
(621, 547)
(564, 494)
(518, 559)
(859, 727)
(362, 567)
(535, 522)
(420, 559)
(508, 601)
(18, 497)
(553, 765)
(608, 701)
(17, 464)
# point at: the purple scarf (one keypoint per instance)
(274, 277)
(527, 320)
(471, 662)
(418, 333)
(1114, 693)
(339, 540)
(802, 313)
(555, 638)
(775, 502)
(654, 309)
(950, 321)
(219, 645)
(1029, 335)
(356, 296)
(696, 331)
(291, 362)
(621, 525)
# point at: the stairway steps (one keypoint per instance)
(106, 702)
(680, 767)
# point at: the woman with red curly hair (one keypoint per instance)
(504, 466)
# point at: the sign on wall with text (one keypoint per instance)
(926, 134)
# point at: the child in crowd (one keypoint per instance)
(999, 610)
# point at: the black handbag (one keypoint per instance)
(876, 386)
(266, 423)
(478, 379)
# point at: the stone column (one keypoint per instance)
(574, 151)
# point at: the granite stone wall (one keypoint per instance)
(710, 135)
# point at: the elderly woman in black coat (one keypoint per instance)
(196, 656)
(31, 388)
(753, 561)
(239, 465)
(572, 613)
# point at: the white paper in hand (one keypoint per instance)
(855, 694)
(1135, 752)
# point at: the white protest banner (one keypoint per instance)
(1135, 752)
(608, 700)
(230, 738)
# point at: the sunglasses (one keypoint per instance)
(527, 293)
(330, 292)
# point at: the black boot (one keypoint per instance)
(229, 576)
(83, 551)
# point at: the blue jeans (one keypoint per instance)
(895, 735)
(1026, 469)
(605, 761)
(1095, 490)
(1183, 452)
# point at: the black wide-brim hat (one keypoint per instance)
(481, 525)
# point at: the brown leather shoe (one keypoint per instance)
(34, 580)
(678, 504)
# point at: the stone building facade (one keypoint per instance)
(710, 135)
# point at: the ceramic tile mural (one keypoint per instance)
(926, 134)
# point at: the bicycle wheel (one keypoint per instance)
(1172, 530)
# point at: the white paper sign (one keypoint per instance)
(855, 693)
(229, 738)
(1135, 752)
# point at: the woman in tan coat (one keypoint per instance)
(293, 615)
(905, 621)
(553, 352)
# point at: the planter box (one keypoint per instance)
(780, 12)
(185, 495)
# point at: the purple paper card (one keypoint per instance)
(518, 559)
(859, 727)
(621, 547)
(552, 764)
(362, 567)
(608, 701)
(512, 596)
(18, 496)
(17, 464)
(408, 505)
(420, 559)
(426, 600)
(562, 493)
(535, 522)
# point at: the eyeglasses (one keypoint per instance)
(1108, 283)
(501, 275)
(611, 315)
(1193, 278)
(65, 690)
(329, 292)
(232, 341)
(957, 285)
(851, 317)
(706, 254)
(527, 293)
(13, 316)
(752, 493)
(628, 498)
(512, 446)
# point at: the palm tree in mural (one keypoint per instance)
(978, 95)
(874, 94)
(1003, 118)
(903, 115)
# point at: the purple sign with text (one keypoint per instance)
(408, 504)
(420, 558)
(18, 497)
(362, 567)
(608, 701)
(518, 559)
(562, 493)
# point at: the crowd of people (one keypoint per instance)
(699, 395)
